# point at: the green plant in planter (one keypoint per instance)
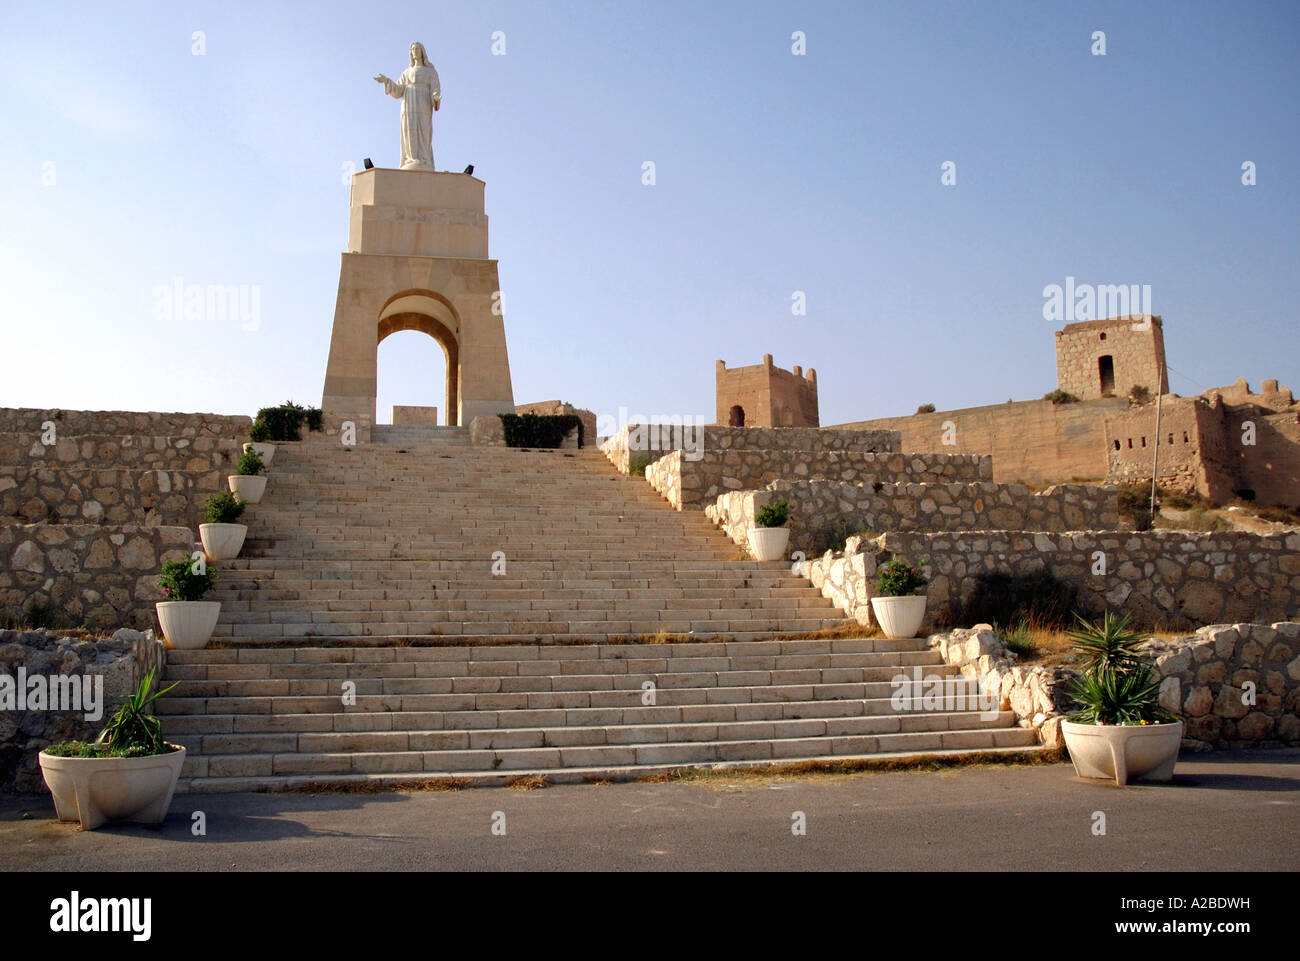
(260, 433)
(131, 732)
(180, 582)
(249, 463)
(774, 514)
(900, 579)
(1118, 685)
(223, 508)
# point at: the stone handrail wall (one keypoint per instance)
(1171, 578)
(99, 576)
(688, 482)
(24, 734)
(823, 513)
(26, 420)
(201, 453)
(106, 496)
(1233, 685)
(658, 440)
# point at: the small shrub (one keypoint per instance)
(179, 582)
(260, 433)
(1059, 396)
(1018, 639)
(249, 464)
(1139, 394)
(774, 514)
(537, 430)
(1178, 500)
(638, 462)
(925, 409)
(1132, 496)
(900, 579)
(223, 508)
(1142, 519)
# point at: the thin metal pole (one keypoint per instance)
(1155, 458)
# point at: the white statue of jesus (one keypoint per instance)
(420, 93)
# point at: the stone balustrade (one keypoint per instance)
(824, 513)
(657, 440)
(687, 481)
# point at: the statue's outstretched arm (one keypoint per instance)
(391, 87)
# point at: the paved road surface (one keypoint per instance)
(1229, 811)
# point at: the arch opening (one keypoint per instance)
(446, 339)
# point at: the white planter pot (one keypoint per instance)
(93, 790)
(899, 617)
(221, 542)
(188, 625)
(1124, 751)
(768, 543)
(247, 487)
(266, 451)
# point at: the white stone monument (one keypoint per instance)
(421, 95)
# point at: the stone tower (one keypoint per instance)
(1103, 358)
(766, 396)
(417, 259)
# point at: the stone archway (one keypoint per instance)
(421, 310)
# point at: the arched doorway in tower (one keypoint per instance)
(417, 366)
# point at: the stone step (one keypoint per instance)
(449, 762)
(523, 628)
(571, 695)
(628, 735)
(476, 719)
(573, 775)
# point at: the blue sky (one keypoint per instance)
(128, 161)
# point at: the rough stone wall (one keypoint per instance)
(823, 513)
(688, 482)
(1211, 677)
(770, 396)
(660, 439)
(105, 576)
(199, 453)
(553, 408)
(1207, 680)
(1172, 578)
(1271, 468)
(27, 420)
(1030, 441)
(150, 498)
(24, 734)
(1131, 438)
(1138, 356)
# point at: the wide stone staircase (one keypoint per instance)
(419, 609)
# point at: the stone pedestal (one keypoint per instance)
(417, 260)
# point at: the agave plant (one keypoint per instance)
(132, 727)
(1124, 697)
(1108, 647)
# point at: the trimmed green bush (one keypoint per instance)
(179, 582)
(900, 579)
(223, 508)
(774, 514)
(249, 464)
(284, 423)
(539, 430)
